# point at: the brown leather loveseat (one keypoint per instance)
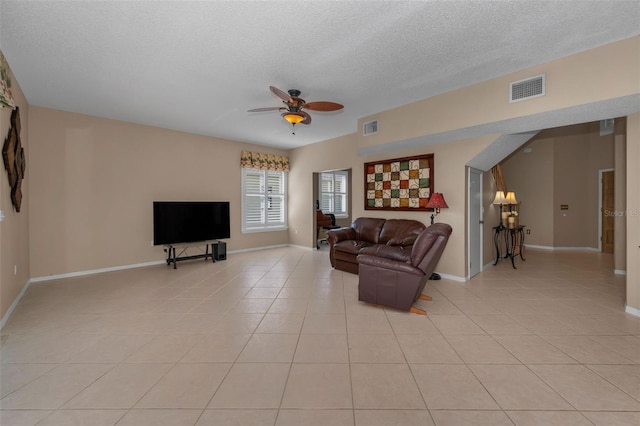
(389, 238)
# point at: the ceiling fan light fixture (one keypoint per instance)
(293, 117)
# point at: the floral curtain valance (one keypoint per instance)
(6, 98)
(258, 160)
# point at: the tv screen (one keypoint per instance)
(190, 221)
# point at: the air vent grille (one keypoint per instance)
(528, 88)
(370, 127)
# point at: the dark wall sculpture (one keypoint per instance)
(14, 159)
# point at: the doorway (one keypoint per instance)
(607, 210)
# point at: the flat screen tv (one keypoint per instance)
(190, 221)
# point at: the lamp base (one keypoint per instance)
(435, 277)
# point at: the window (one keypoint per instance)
(333, 193)
(264, 200)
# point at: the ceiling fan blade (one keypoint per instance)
(307, 117)
(279, 93)
(266, 109)
(323, 106)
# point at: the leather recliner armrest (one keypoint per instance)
(382, 262)
(341, 234)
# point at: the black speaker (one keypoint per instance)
(220, 251)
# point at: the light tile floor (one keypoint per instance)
(276, 337)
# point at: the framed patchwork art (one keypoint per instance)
(399, 184)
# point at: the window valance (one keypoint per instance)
(6, 98)
(258, 160)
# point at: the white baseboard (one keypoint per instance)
(488, 265)
(96, 271)
(14, 304)
(620, 272)
(633, 311)
(552, 248)
(453, 277)
(258, 248)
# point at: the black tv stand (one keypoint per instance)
(170, 249)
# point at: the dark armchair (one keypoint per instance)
(398, 284)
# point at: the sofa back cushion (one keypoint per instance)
(368, 228)
(400, 232)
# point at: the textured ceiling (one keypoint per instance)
(199, 66)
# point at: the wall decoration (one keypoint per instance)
(6, 97)
(399, 184)
(14, 159)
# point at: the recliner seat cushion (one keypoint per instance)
(347, 250)
(399, 253)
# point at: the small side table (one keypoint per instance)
(513, 243)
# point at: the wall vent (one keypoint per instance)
(370, 127)
(606, 126)
(528, 88)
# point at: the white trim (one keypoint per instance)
(620, 272)
(14, 305)
(258, 248)
(532, 246)
(633, 311)
(264, 194)
(96, 271)
(334, 174)
(473, 170)
(453, 277)
(267, 229)
(592, 249)
(600, 172)
(303, 247)
(488, 265)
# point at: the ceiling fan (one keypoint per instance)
(294, 112)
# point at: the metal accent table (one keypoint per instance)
(513, 243)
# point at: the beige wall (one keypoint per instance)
(579, 155)
(449, 178)
(560, 166)
(572, 81)
(530, 175)
(334, 154)
(94, 181)
(14, 231)
(633, 213)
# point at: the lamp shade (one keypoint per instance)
(293, 117)
(511, 198)
(500, 198)
(436, 201)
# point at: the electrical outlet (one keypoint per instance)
(15, 269)
(528, 231)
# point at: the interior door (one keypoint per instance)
(475, 221)
(607, 215)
